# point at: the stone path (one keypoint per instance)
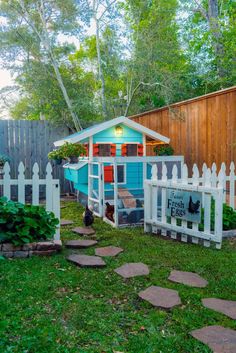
(218, 338)
(80, 244)
(108, 251)
(84, 230)
(189, 278)
(161, 297)
(86, 261)
(65, 222)
(132, 270)
(227, 307)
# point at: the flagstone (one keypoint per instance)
(78, 244)
(132, 270)
(108, 251)
(84, 230)
(189, 278)
(86, 261)
(227, 307)
(66, 222)
(161, 297)
(218, 338)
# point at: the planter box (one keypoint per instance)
(43, 248)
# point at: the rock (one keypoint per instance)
(189, 278)
(227, 307)
(161, 297)
(8, 254)
(49, 245)
(84, 230)
(43, 252)
(66, 222)
(86, 261)
(21, 254)
(218, 338)
(29, 246)
(79, 244)
(10, 247)
(132, 270)
(108, 251)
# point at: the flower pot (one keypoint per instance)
(58, 161)
(73, 159)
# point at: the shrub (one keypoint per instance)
(3, 159)
(22, 224)
(163, 150)
(67, 150)
(56, 155)
(229, 217)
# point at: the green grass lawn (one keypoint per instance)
(49, 305)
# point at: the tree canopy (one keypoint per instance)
(133, 55)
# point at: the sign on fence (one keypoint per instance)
(176, 206)
(184, 205)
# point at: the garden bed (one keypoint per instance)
(43, 248)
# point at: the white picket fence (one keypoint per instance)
(212, 185)
(52, 188)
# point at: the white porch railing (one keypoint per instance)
(211, 185)
(52, 188)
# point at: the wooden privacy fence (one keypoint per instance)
(51, 186)
(30, 141)
(213, 190)
(203, 129)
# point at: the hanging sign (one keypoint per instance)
(184, 205)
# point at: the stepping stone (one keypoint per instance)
(132, 270)
(161, 297)
(108, 251)
(79, 244)
(66, 222)
(84, 230)
(86, 261)
(218, 338)
(189, 278)
(227, 307)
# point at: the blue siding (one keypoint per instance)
(108, 135)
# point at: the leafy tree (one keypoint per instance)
(31, 31)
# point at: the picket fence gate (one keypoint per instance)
(211, 185)
(51, 185)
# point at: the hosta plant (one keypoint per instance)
(22, 224)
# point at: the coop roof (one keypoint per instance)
(92, 130)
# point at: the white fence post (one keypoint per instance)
(21, 183)
(35, 184)
(232, 185)
(49, 203)
(6, 181)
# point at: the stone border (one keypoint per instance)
(43, 248)
(229, 233)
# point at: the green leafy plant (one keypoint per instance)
(69, 150)
(229, 217)
(22, 224)
(56, 155)
(3, 159)
(163, 150)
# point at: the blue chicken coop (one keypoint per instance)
(110, 178)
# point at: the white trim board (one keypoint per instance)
(106, 125)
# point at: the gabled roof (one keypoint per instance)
(92, 130)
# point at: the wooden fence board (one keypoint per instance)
(29, 142)
(208, 132)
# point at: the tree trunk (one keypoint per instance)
(213, 20)
(100, 70)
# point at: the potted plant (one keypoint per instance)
(3, 160)
(71, 151)
(163, 150)
(56, 155)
